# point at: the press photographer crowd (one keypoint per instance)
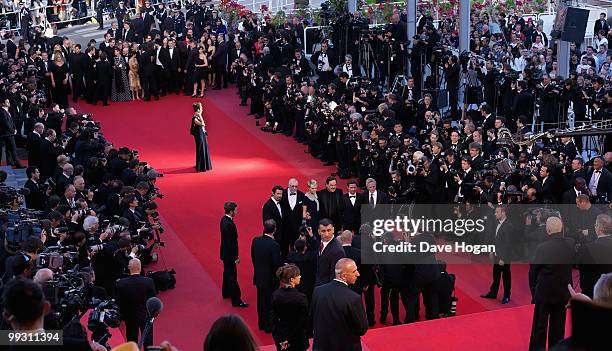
(507, 132)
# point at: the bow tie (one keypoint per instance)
(597, 171)
(352, 196)
(292, 194)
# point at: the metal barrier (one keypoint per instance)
(311, 43)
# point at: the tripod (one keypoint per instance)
(367, 58)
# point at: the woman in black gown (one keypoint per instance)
(198, 130)
(60, 82)
(289, 311)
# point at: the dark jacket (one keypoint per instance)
(289, 318)
(326, 263)
(266, 258)
(229, 239)
(553, 268)
(338, 316)
(132, 294)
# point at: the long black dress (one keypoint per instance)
(203, 163)
(60, 92)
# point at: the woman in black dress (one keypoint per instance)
(60, 82)
(198, 130)
(200, 72)
(311, 207)
(289, 312)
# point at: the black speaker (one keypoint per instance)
(575, 24)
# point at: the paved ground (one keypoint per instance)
(82, 34)
(16, 177)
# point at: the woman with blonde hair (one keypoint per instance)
(60, 81)
(135, 86)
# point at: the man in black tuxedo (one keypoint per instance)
(601, 24)
(577, 171)
(338, 317)
(351, 208)
(553, 268)
(7, 134)
(545, 186)
(599, 181)
(48, 154)
(132, 294)
(127, 33)
(488, 118)
(229, 255)
(37, 198)
(78, 67)
(523, 101)
(330, 200)
(104, 72)
(219, 61)
(273, 209)
(503, 232)
(373, 197)
(569, 197)
(594, 257)
(465, 180)
(291, 205)
(330, 251)
(266, 258)
(172, 62)
(114, 31)
(33, 144)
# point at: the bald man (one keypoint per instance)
(553, 269)
(132, 294)
(339, 319)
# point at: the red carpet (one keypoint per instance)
(246, 164)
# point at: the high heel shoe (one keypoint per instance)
(193, 95)
(201, 95)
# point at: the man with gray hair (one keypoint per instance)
(552, 267)
(595, 257)
(339, 320)
(373, 197)
(33, 144)
(291, 206)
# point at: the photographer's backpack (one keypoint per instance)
(16, 233)
(164, 280)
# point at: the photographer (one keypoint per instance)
(38, 193)
(452, 75)
(25, 258)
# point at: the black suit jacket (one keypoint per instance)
(338, 318)
(351, 215)
(329, 206)
(37, 198)
(33, 147)
(504, 241)
(229, 239)
(547, 191)
(132, 294)
(326, 263)
(266, 258)
(553, 268)
(604, 186)
(289, 317)
(569, 197)
(7, 125)
(220, 57)
(48, 158)
(594, 259)
(174, 63)
(292, 218)
(270, 211)
(381, 198)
